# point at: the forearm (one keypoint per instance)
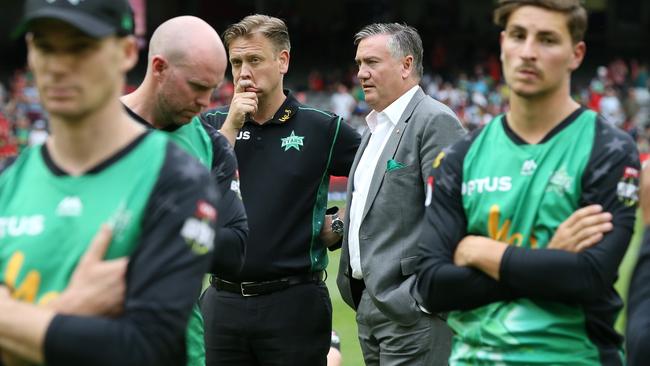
(481, 253)
(22, 329)
(446, 287)
(565, 276)
(229, 250)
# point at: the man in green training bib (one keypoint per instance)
(497, 197)
(186, 62)
(98, 166)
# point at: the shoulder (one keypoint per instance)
(613, 140)
(214, 117)
(181, 167)
(219, 141)
(313, 114)
(434, 108)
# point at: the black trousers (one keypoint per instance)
(290, 327)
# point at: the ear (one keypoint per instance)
(158, 65)
(579, 51)
(29, 39)
(130, 52)
(502, 36)
(283, 58)
(407, 66)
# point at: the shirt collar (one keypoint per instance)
(286, 111)
(393, 112)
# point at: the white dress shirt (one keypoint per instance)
(381, 125)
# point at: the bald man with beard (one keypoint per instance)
(186, 62)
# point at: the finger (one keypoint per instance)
(98, 245)
(593, 220)
(593, 230)
(589, 242)
(583, 212)
(115, 266)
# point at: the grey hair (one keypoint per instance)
(404, 40)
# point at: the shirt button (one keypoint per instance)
(258, 138)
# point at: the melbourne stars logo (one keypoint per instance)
(292, 141)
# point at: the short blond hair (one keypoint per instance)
(274, 29)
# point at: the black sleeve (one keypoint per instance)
(638, 308)
(232, 235)
(611, 179)
(346, 142)
(163, 279)
(224, 161)
(441, 285)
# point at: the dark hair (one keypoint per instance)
(270, 27)
(404, 41)
(573, 9)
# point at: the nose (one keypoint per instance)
(363, 73)
(203, 99)
(245, 72)
(529, 49)
(58, 62)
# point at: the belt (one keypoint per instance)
(251, 288)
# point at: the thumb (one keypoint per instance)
(98, 246)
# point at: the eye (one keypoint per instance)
(519, 36)
(43, 47)
(548, 40)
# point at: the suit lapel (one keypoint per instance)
(389, 150)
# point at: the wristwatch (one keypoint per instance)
(337, 223)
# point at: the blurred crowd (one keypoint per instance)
(618, 91)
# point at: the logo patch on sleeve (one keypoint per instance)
(438, 160)
(427, 202)
(627, 189)
(205, 211)
(198, 231)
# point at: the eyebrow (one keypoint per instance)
(201, 84)
(543, 32)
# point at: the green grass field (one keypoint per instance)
(345, 324)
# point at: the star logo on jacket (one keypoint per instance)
(70, 206)
(292, 141)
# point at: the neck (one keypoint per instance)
(140, 102)
(267, 106)
(533, 118)
(78, 145)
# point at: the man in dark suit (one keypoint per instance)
(386, 193)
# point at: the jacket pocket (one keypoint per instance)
(408, 265)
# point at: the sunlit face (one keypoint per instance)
(75, 74)
(254, 58)
(537, 52)
(381, 75)
(186, 88)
